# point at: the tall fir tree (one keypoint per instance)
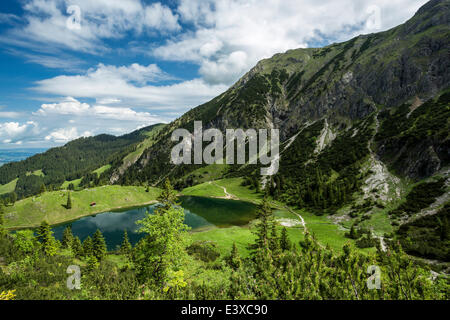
(88, 249)
(69, 201)
(45, 236)
(77, 247)
(67, 238)
(264, 225)
(234, 260)
(285, 243)
(164, 246)
(99, 245)
(274, 241)
(126, 247)
(13, 198)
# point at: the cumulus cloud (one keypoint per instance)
(57, 123)
(66, 134)
(72, 107)
(68, 107)
(229, 37)
(46, 22)
(13, 132)
(130, 85)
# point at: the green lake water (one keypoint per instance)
(200, 212)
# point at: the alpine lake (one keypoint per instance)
(201, 213)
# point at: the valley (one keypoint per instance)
(363, 180)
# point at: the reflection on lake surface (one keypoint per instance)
(200, 212)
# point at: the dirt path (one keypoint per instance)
(299, 216)
(228, 196)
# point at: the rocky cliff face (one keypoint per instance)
(342, 83)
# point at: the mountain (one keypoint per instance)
(77, 160)
(363, 125)
(340, 84)
(364, 128)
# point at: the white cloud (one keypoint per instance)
(46, 23)
(129, 85)
(69, 119)
(261, 28)
(66, 134)
(12, 132)
(68, 106)
(106, 101)
(74, 108)
(10, 114)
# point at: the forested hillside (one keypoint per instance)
(345, 84)
(75, 160)
(359, 122)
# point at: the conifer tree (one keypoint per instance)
(88, 249)
(285, 243)
(92, 263)
(164, 246)
(126, 247)
(353, 233)
(45, 236)
(234, 259)
(77, 247)
(98, 245)
(67, 237)
(69, 202)
(42, 189)
(13, 197)
(168, 196)
(264, 224)
(274, 241)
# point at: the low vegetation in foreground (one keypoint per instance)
(168, 264)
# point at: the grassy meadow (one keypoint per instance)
(50, 206)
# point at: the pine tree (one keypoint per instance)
(67, 238)
(45, 236)
(69, 202)
(285, 243)
(126, 247)
(98, 245)
(164, 246)
(42, 189)
(77, 248)
(13, 197)
(88, 249)
(92, 263)
(353, 233)
(168, 196)
(274, 241)
(264, 224)
(234, 260)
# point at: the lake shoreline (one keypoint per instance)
(118, 208)
(90, 214)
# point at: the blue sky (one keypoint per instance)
(71, 68)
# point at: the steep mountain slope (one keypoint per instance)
(77, 159)
(343, 84)
(364, 129)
